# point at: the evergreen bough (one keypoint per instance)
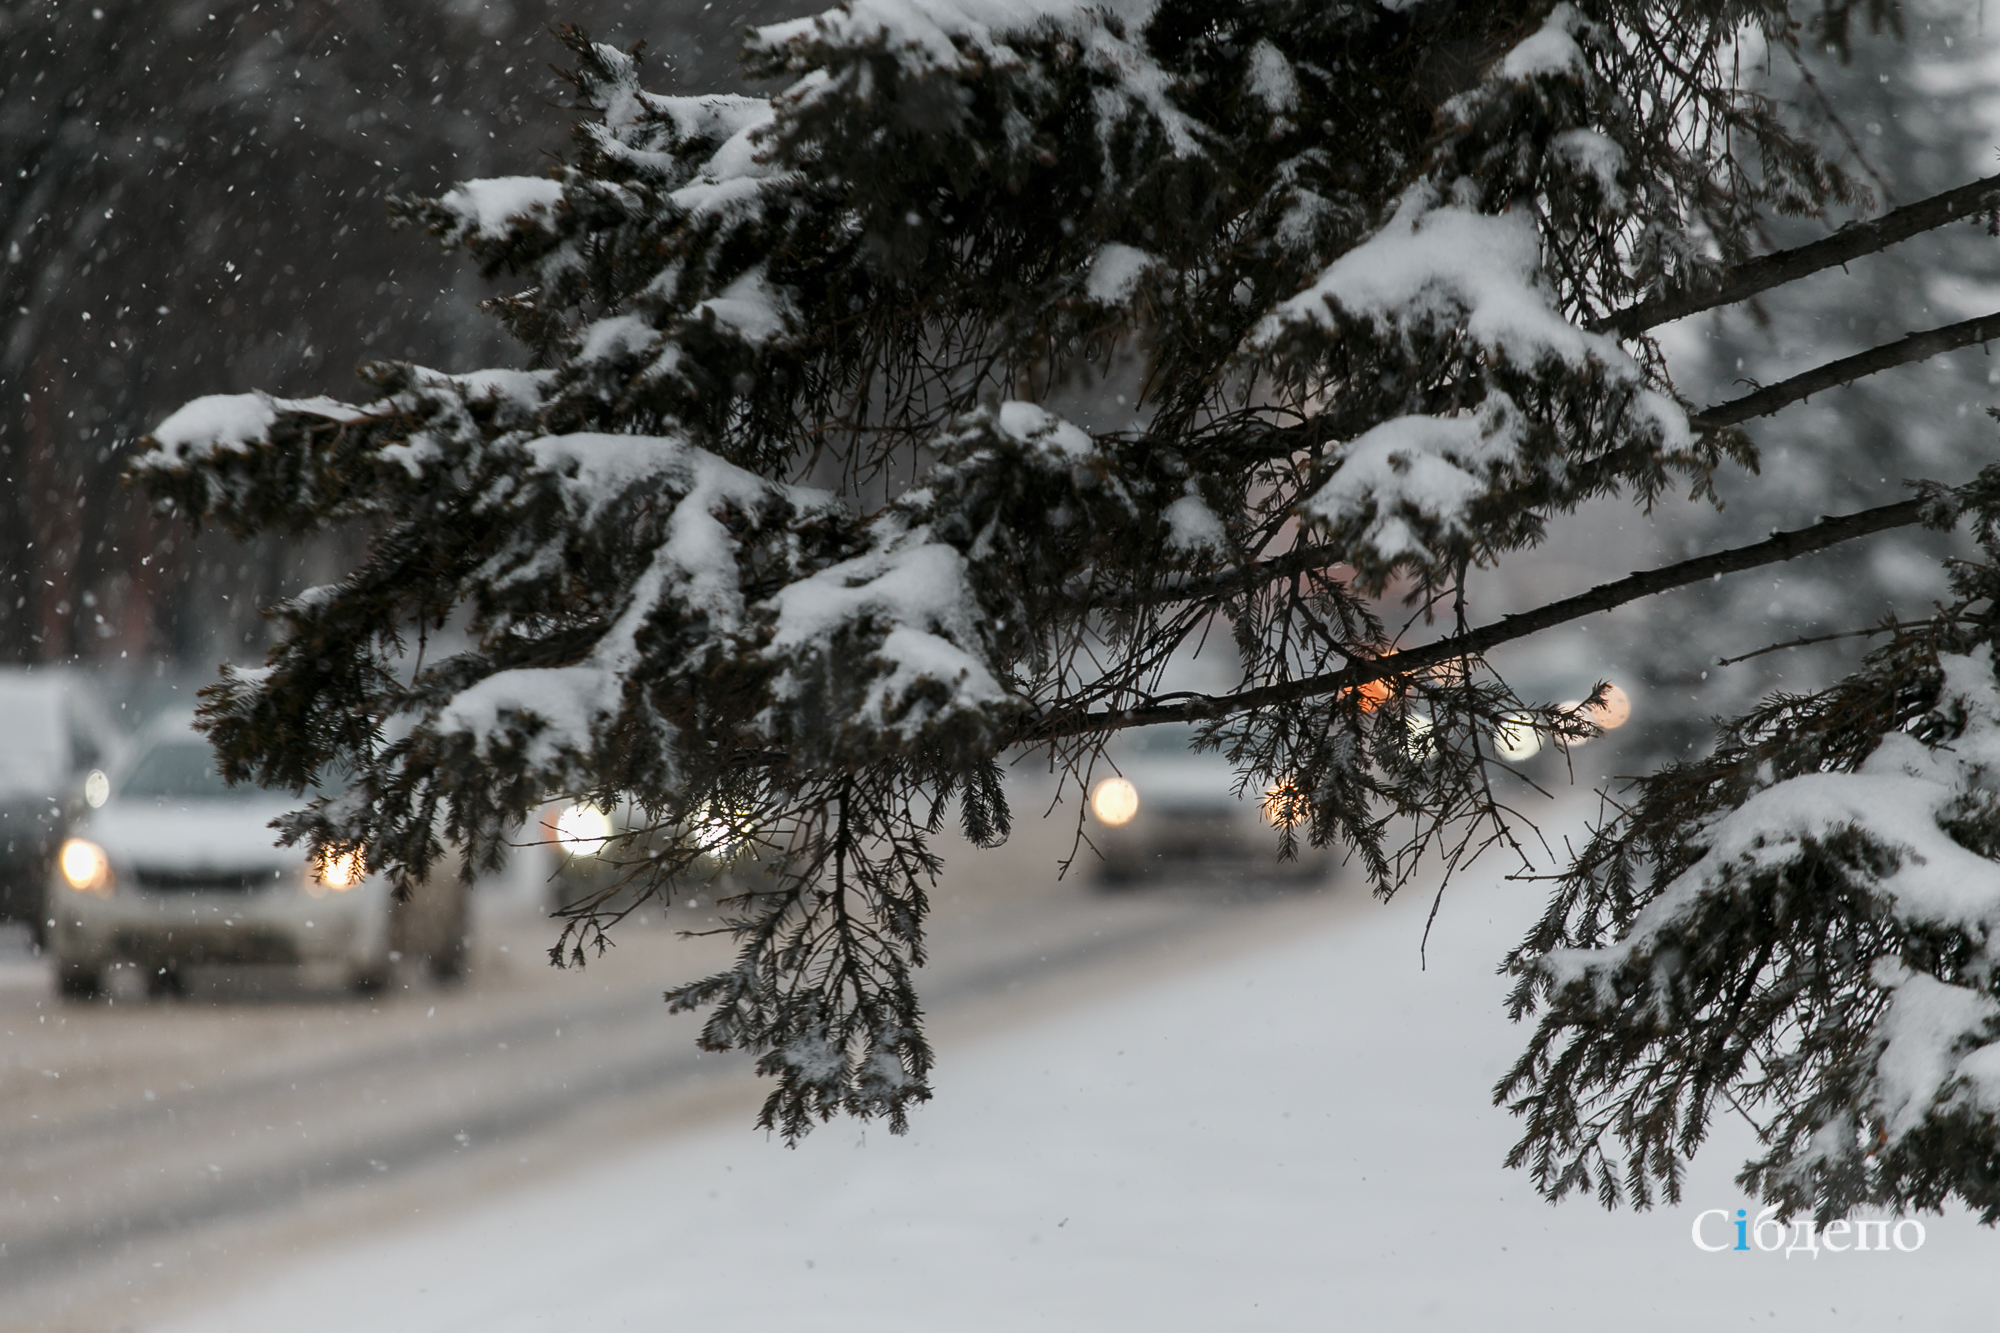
(780, 539)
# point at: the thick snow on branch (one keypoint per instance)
(1427, 468)
(1448, 267)
(913, 595)
(492, 210)
(932, 31)
(1938, 1040)
(1552, 49)
(1115, 271)
(232, 422)
(1471, 283)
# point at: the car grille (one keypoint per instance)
(206, 880)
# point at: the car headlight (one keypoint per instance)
(719, 832)
(339, 871)
(1115, 801)
(583, 829)
(85, 867)
(1517, 737)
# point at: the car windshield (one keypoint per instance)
(180, 770)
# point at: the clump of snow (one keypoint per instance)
(1193, 528)
(916, 588)
(755, 310)
(1272, 81)
(1454, 273)
(229, 422)
(1551, 50)
(560, 709)
(525, 390)
(1595, 154)
(1115, 271)
(969, 39)
(595, 471)
(733, 179)
(931, 31)
(491, 209)
(1448, 264)
(1034, 425)
(1428, 467)
(615, 338)
(695, 567)
(1921, 1032)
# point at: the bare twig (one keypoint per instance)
(1892, 627)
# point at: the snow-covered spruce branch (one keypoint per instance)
(775, 541)
(1797, 927)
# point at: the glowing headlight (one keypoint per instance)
(1612, 713)
(582, 829)
(85, 867)
(96, 788)
(1115, 801)
(341, 871)
(1516, 738)
(719, 832)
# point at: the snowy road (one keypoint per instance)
(142, 1146)
(1295, 1137)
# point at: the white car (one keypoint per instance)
(59, 742)
(173, 868)
(1168, 810)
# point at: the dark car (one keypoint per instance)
(56, 744)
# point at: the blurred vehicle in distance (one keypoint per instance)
(1170, 810)
(597, 850)
(57, 743)
(174, 869)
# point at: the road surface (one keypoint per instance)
(149, 1149)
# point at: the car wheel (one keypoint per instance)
(448, 963)
(369, 980)
(77, 981)
(1116, 876)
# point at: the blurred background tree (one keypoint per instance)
(192, 201)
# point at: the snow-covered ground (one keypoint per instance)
(1296, 1138)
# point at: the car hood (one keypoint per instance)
(192, 834)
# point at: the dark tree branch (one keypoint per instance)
(1605, 596)
(1916, 347)
(1767, 271)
